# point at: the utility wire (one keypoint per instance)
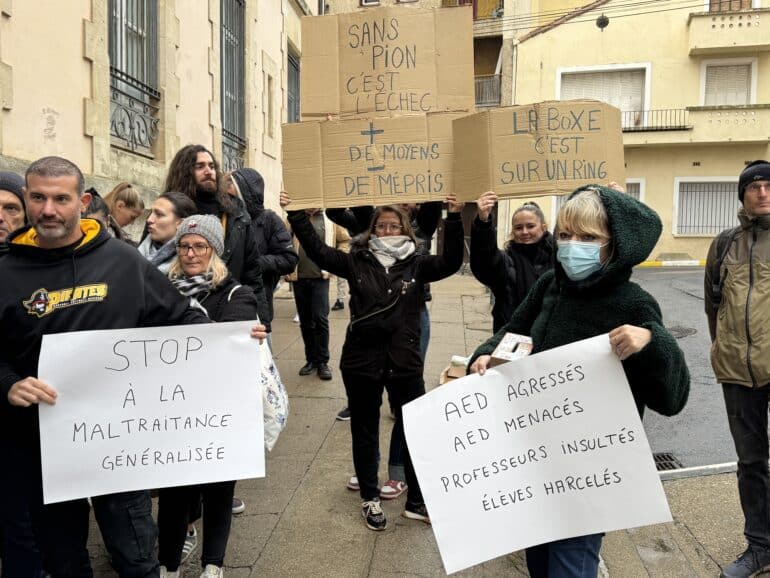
(561, 12)
(525, 22)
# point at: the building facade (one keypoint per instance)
(693, 90)
(118, 86)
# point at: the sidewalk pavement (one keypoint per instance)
(301, 520)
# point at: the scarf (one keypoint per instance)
(195, 285)
(197, 288)
(161, 256)
(388, 250)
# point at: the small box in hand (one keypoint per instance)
(513, 346)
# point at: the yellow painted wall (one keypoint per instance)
(660, 166)
(675, 83)
(548, 10)
(484, 8)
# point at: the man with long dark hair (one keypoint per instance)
(196, 173)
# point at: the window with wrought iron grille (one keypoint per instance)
(233, 93)
(292, 88)
(706, 207)
(134, 94)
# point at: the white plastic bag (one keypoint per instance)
(275, 400)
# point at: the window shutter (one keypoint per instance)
(728, 84)
(623, 89)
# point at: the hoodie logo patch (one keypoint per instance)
(42, 302)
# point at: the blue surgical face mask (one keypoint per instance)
(579, 259)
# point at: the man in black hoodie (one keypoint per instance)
(195, 173)
(277, 257)
(65, 274)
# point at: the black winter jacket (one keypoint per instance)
(102, 283)
(383, 337)
(241, 254)
(276, 254)
(511, 273)
(226, 304)
(424, 224)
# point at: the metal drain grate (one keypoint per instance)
(665, 461)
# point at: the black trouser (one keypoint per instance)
(61, 530)
(364, 400)
(312, 299)
(747, 416)
(173, 517)
(18, 548)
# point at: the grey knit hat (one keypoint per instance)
(207, 226)
(12, 183)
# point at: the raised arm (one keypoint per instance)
(487, 261)
(333, 260)
(436, 267)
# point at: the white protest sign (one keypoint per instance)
(150, 408)
(539, 449)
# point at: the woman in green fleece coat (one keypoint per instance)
(601, 234)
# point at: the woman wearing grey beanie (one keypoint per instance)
(199, 272)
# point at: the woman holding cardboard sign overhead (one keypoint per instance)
(382, 344)
(510, 273)
(601, 235)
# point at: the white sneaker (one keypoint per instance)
(296, 318)
(211, 571)
(166, 574)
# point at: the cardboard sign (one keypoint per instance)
(369, 162)
(387, 62)
(539, 149)
(543, 448)
(150, 408)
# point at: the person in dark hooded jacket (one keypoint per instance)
(510, 273)
(194, 172)
(277, 257)
(387, 276)
(601, 235)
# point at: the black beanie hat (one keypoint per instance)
(12, 183)
(756, 171)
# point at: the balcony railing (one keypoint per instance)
(654, 120)
(487, 90)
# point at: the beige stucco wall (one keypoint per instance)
(197, 60)
(54, 86)
(46, 116)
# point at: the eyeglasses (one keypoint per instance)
(198, 249)
(756, 187)
(390, 227)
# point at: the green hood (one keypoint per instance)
(635, 229)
